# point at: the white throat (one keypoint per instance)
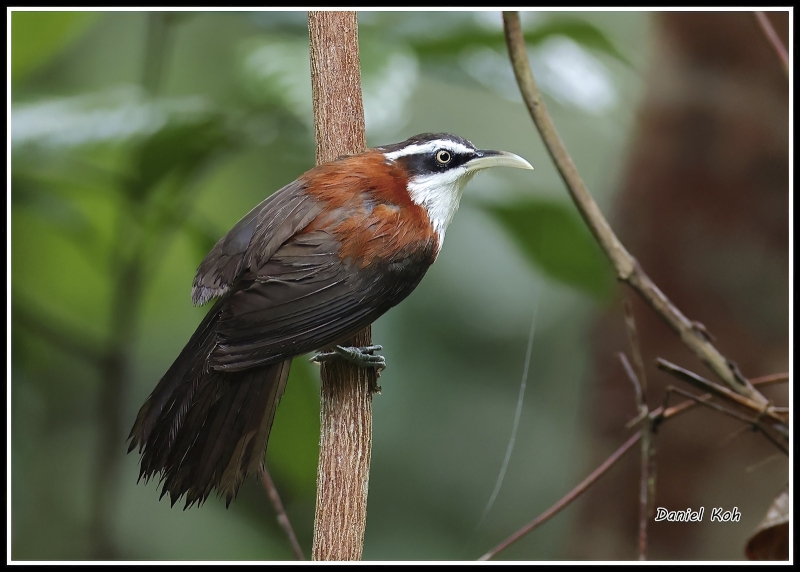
(439, 194)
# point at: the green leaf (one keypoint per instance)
(556, 240)
(38, 36)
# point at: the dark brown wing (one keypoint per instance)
(305, 297)
(254, 240)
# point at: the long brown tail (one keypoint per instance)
(203, 429)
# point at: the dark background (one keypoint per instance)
(138, 139)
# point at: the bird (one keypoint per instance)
(302, 272)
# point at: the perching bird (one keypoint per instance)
(306, 269)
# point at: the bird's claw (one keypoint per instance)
(362, 357)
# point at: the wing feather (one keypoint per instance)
(254, 239)
(306, 297)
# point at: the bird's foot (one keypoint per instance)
(362, 357)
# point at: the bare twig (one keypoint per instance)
(636, 351)
(346, 395)
(647, 485)
(567, 499)
(657, 416)
(663, 413)
(770, 379)
(647, 490)
(756, 466)
(698, 381)
(773, 39)
(283, 519)
(743, 418)
(647, 479)
(625, 265)
(637, 387)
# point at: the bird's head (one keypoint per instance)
(438, 165)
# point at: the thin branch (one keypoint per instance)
(647, 478)
(647, 485)
(283, 519)
(663, 413)
(770, 379)
(636, 351)
(756, 466)
(625, 265)
(710, 404)
(698, 381)
(657, 416)
(567, 499)
(637, 387)
(774, 40)
(738, 416)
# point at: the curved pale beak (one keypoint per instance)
(486, 159)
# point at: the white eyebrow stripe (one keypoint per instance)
(429, 147)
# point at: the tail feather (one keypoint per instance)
(172, 386)
(203, 429)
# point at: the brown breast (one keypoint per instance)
(368, 209)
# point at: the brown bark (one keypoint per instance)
(346, 396)
(336, 84)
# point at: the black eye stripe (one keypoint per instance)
(429, 162)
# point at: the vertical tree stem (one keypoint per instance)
(346, 396)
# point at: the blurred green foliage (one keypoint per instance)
(121, 184)
(556, 239)
(581, 31)
(39, 36)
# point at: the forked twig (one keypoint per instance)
(702, 383)
(657, 416)
(283, 519)
(743, 418)
(686, 405)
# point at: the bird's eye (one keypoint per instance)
(443, 157)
